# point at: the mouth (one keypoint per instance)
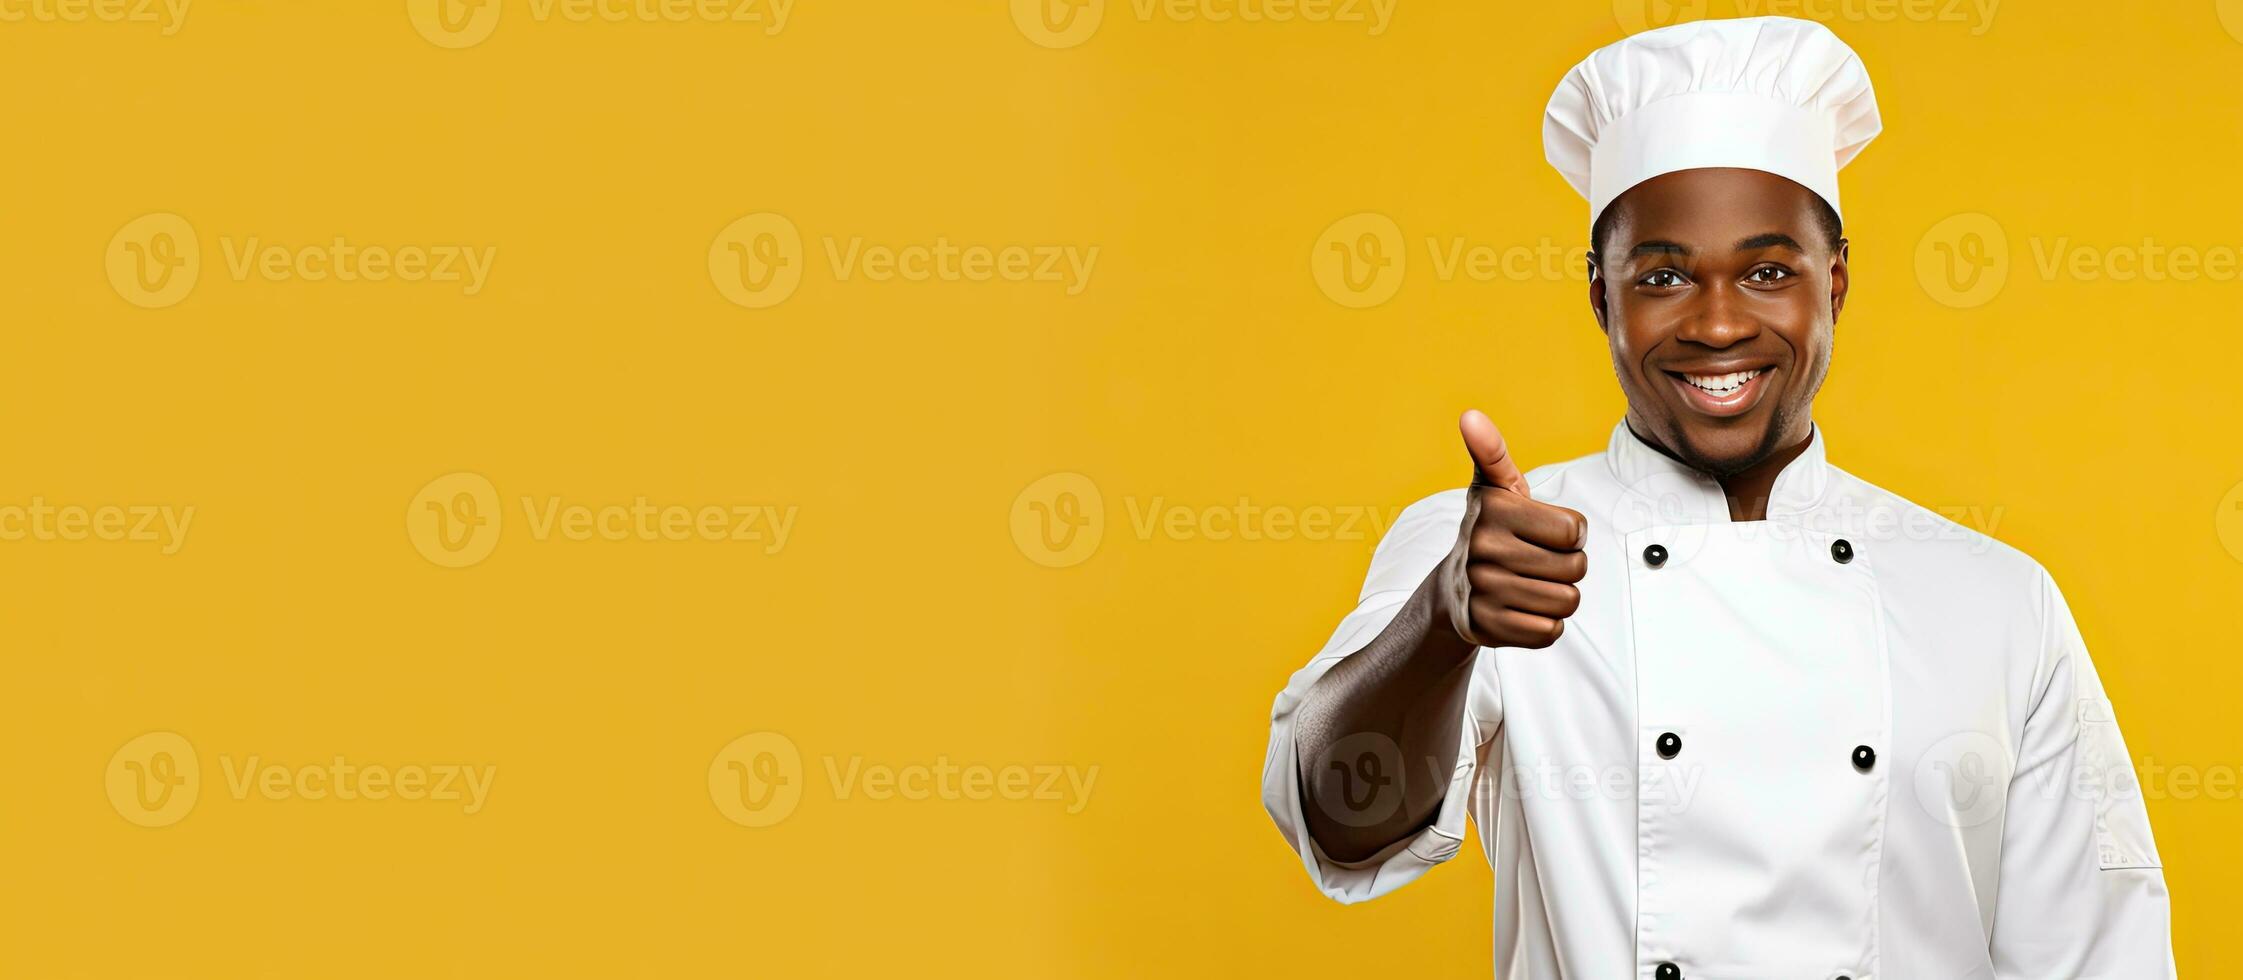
(1721, 394)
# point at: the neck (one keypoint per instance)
(1748, 491)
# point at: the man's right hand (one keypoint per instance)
(1509, 582)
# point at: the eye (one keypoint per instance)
(1662, 279)
(1768, 274)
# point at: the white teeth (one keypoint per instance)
(1722, 384)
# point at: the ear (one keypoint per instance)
(1596, 294)
(1839, 280)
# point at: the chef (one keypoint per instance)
(1719, 708)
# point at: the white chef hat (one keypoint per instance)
(1776, 94)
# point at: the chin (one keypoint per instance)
(1726, 451)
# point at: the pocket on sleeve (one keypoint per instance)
(2122, 821)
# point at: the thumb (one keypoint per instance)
(1492, 465)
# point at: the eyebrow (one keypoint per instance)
(1770, 239)
(1766, 239)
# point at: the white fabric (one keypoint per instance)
(1997, 835)
(1775, 94)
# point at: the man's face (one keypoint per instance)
(1718, 290)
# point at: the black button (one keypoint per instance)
(1865, 758)
(1670, 745)
(1655, 556)
(1842, 550)
(1667, 971)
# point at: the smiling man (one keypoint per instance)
(1719, 708)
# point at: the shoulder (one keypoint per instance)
(1951, 546)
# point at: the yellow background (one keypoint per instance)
(904, 623)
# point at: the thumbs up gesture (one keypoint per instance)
(1510, 580)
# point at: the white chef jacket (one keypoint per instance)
(1897, 765)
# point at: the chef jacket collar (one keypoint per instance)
(1668, 492)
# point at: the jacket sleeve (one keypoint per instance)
(1420, 538)
(2082, 891)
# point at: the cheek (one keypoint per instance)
(1627, 356)
(1809, 335)
(1634, 334)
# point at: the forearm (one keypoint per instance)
(1379, 733)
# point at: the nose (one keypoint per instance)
(1722, 318)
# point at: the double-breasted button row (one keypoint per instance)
(1841, 551)
(1669, 745)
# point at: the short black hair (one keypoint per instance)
(1833, 231)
